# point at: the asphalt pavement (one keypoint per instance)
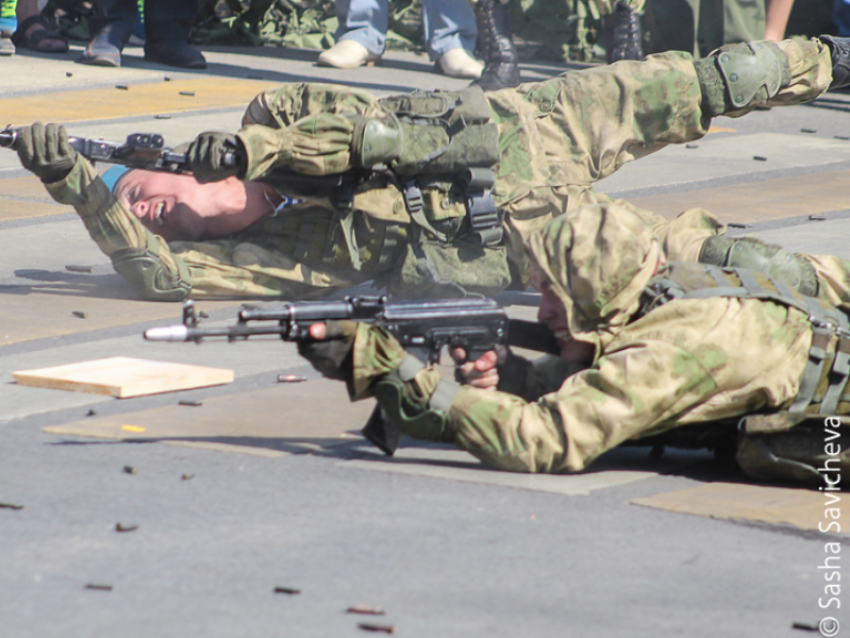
(256, 509)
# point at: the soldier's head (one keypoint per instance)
(177, 207)
(591, 266)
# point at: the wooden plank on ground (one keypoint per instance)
(124, 377)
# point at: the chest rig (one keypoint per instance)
(448, 137)
(824, 381)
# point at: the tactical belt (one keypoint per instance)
(827, 323)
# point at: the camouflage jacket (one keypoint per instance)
(685, 362)
(556, 139)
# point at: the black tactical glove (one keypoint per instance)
(332, 356)
(216, 156)
(45, 151)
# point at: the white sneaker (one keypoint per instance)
(348, 54)
(457, 63)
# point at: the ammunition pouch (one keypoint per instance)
(424, 421)
(768, 259)
(449, 135)
(144, 271)
(444, 133)
(742, 75)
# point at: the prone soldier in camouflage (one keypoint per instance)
(441, 190)
(649, 347)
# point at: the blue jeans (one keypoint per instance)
(841, 16)
(449, 24)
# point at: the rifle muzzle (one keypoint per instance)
(167, 333)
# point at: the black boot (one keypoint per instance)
(840, 49)
(621, 31)
(501, 69)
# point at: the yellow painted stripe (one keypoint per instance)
(27, 187)
(16, 209)
(721, 129)
(25, 197)
(139, 99)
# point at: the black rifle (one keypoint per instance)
(148, 151)
(423, 328)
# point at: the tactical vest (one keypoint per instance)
(824, 380)
(787, 445)
(449, 142)
(453, 244)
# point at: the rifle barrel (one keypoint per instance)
(8, 137)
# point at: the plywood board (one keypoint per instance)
(301, 417)
(800, 508)
(124, 377)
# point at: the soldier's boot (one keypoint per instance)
(840, 49)
(501, 62)
(622, 34)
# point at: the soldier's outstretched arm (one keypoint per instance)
(583, 125)
(315, 129)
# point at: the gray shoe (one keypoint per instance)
(103, 50)
(6, 46)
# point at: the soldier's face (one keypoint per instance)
(553, 313)
(175, 207)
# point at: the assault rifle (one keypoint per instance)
(148, 151)
(423, 328)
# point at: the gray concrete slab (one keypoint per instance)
(830, 237)
(59, 244)
(726, 156)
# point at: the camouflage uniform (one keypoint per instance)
(555, 138)
(660, 363)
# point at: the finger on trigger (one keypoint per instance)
(486, 361)
(318, 331)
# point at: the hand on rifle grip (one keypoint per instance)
(213, 157)
(483, 373)
(328, 348)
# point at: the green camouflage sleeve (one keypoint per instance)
(233, 268)
(303, 126)
(142, 258)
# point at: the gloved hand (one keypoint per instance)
(332, 354)
(208, 155)
(45, 151)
